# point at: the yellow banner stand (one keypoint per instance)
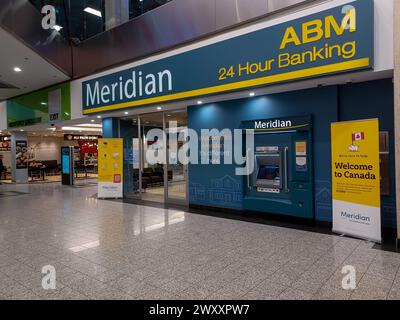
(110, 168)
(356, 179)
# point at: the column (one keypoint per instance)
(116, 12)
(19, 170)
(397, 109)
(111, 128)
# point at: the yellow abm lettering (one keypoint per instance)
(317, 29)
(290, 37)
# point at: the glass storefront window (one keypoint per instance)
(81, 20)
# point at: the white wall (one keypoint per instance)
(383, 25)
(47, 148)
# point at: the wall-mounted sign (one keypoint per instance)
(77, 137)
(110, 168)
(356, 179)
(278, 124)
(54, 98)
(21, 154)
(24, 123)
(336, 40)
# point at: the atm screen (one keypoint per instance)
(268, 172)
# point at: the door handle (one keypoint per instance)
(248, 172)
(286, 169)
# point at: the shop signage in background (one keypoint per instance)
(5, 143)
(21, 154)
(356, 179)
(110, 168)
(54, 103)
(77, 137)
(24, 123)
(336, 40)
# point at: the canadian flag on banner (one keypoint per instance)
(358, 136)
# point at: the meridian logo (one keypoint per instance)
(276, 124)
(355, 216)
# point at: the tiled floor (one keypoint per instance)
(111, 250)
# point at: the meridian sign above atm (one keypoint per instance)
(336, 40)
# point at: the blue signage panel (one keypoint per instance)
(333, 41)
(65, 160)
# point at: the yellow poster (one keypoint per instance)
(110, 167)
(356, 178)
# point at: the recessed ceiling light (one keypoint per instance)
(159, 108)
(98, 117)
(92, 120)
(22, 130)
(93, 11)
(17, 69)
(199, 102)
(43, 103)
(126, 113)
(252, 94)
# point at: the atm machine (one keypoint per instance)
(282, 180)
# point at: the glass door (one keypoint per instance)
(129, 132)
(152, 172)
(175, 172)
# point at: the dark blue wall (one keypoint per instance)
(326, 105)
(374, 100)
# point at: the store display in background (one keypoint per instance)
(88, 147)
(5, 143)
(21, 154)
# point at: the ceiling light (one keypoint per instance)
(252, 94)
(126, 113)
(89, 125)
(93, 11)
(92, 120)
(43, 103)
(22, 130)
(88, 129)
(199, 102)
(159, 108)
(98, 117)
(17, 69)
(57, 27)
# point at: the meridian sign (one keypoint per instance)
(336, 40)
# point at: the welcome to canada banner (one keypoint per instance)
(356, 179)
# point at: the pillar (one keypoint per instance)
(397, 109)
(111, 128)
(19, 174)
